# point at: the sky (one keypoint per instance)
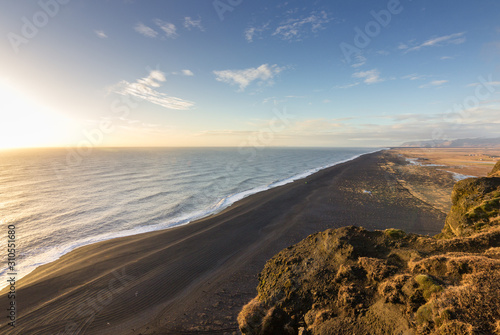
(125, 73)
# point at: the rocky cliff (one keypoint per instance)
(496, 170)
(354, 281)
(475, 206)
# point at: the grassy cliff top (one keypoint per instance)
(354, 281)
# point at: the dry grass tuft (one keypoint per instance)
(250, 317)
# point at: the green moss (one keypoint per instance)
(479, 225)
(480, 214)
(428, 285)
(424, 314)
(474, 214)
(394, 234)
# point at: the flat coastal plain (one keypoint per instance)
(194, 279)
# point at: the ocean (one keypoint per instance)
(59, 201)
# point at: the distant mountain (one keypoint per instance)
(459, 143)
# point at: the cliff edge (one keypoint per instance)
(354, 281)
(496, 170)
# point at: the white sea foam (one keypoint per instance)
(458, 176)
(415, 161)
(93, 203)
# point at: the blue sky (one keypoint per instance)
(240, 72)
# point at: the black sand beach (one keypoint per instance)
(194, 279)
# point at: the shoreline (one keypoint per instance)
(166, 274)
(188, 218)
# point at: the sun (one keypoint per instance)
(26, 124)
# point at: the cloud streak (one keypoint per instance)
(294, 29)
(144, 30)
(434, 83)
(100, 34)
(252, 32)
(360, 61)
(414, 76)
(188, 73)
(457, 38)
(382, 130)
(263, 74)
(144, 88)
(168, 28)
(189, 23)
(346, 85)
(369, 77)
(489, 83)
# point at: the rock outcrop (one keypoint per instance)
(475, 206)
(496, 170)
(354, 281)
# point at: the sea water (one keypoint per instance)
(57, 203)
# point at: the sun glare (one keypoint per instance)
(25, 124)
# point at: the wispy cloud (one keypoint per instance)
(445, 58)
(189, 23)
(369, 77)
(360, 61)
(291, 27)
(144, 88)
(133, 126)
(168, 28)
(295, 28)
(184, 72)
(457, 38)
(434, 83)
(100, 34)
(414, 76)
(396, 129)
(389, 130)
(269, 99)
(281, 100)
(188, 73)
(252, 32)
(347, 85)
(486, 83)
(249, 33)
(142, 29)
(263, 74)
(295, 96)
